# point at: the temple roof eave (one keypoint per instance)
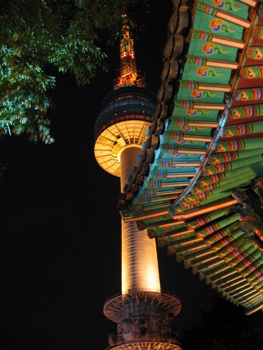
(198, 186)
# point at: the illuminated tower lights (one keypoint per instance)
(143, 312)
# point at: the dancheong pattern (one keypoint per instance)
(198, 187)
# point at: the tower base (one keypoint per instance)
(146, 345)
(144, 320)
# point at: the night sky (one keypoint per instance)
(60, 228)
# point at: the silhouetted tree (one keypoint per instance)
(38, 34)
(225, 327)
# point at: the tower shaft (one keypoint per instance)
(139, 255)
(139, 260)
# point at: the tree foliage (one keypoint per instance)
(225, 327)
(37, 35)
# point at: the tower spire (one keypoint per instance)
(128, 74)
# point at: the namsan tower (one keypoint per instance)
(142, 311)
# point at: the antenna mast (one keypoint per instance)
(128, 74)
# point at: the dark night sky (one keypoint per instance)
(60, 235)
